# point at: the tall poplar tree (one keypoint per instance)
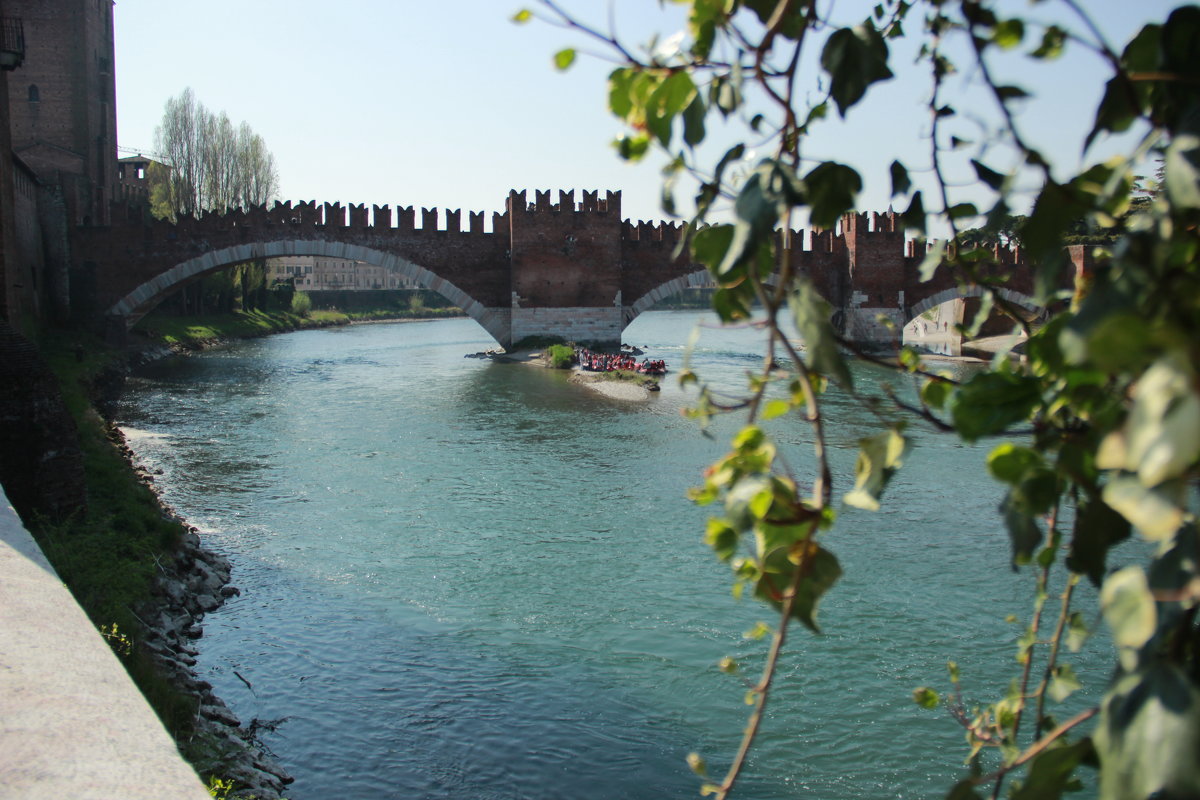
(212, 165)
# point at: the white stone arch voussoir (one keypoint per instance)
(138, 302)
(700, 279)
(1016, 298)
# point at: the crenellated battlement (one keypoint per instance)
(651, 232)
(592, 203)
(311, 214)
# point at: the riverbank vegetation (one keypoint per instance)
(560, 356)
(199, 331)
(108, 556)
(1096, 433)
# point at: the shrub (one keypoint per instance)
(301, 304)
(561, 356)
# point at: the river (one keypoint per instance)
(464, 579)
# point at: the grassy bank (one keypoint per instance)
(193, 332)
(108, 556)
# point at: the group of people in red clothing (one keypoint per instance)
(607, 362)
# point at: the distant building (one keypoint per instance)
(133, 174)
(320, 273)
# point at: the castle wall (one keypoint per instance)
(62, 101)
(562, 256)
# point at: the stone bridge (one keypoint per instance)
(567, 269)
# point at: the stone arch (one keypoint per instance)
(700, 279)
(920, 307)
(137, 303)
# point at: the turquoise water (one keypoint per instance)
(463, 579)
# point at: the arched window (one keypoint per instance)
(34, 94)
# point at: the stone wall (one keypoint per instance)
(584, 325)
(62, 101)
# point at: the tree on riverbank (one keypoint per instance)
(211, 165)
(1098, 428)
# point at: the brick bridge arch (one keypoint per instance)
(697, 279)
(1014, 297)
(142, 299)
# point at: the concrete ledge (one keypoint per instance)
(72, 724)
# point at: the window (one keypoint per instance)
(34, 95)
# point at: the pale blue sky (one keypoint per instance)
(446, 103)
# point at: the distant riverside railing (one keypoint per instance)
(12, 42)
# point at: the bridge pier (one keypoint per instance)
(866, 327)
(593, 325)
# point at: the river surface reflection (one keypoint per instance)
(463, 579)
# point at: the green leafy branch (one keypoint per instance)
(1101, 417)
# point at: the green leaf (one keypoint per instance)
(1063, 683)
(991, 402)
(900, 182)
(667, 101)
(710, 245)
(1147, 737)
(1117, 342)
(776, 408)
(632, 148)
(1129, 611)
(522, 16)
(745, 500)
(878, 459)
(756, 211)
(935, 393)
(914, 220)
(1009, 33)
(832, 190)
(693, 121)
(855, 58)
(726, 95)
(926, 697)
(563, 59)
(964, 790)
(620, 92)
(1154, 512)
(791, 26)
(1011, 92)
(989, 176)
(1160, 439)
(1182, 171)
(722, 538)
(812, 314)
(1097, 529)
(1023, 531)
(823, 572)
(1010, 463)
(1053, 40)
(1050, 773)
(1077, 631)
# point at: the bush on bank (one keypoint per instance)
(560, 356)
